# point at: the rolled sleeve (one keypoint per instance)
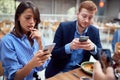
(44, 65)
(9, 60)
(94, 52)
(11, 70)
(67, 48)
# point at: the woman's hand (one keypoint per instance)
(36, 34)
(39, 58)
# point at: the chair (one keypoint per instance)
(1, 70)
(6, 26)
(55, 26)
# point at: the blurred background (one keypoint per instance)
(53, 12)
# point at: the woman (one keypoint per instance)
(21, 49)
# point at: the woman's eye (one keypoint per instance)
(35, 19)
(27, 18)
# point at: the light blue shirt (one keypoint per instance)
(116, 38)
(15, 53)
(76, 55)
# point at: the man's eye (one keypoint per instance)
(84, 16)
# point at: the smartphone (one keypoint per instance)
(49, 47)
(85, 79)
(83, 38)
(105, 59)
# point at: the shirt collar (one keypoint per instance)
(24, 37)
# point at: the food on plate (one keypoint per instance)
(87, 67)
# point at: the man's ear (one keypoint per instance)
(77, 13)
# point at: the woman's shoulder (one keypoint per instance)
(8, 37)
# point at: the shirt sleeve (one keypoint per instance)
(94, 52)
(44, 65)
(9, 59)
(67, 48)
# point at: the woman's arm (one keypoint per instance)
(38, 60)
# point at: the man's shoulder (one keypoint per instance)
(68, 22)
(93, 27)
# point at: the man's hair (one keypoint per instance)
(89, 5)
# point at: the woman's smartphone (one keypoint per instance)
(49, 47)
(83, 38)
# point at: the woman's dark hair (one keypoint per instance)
(20, 9)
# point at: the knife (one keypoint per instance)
(75, 75)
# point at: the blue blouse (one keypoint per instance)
(15, 53)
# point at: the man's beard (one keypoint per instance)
(79, 25)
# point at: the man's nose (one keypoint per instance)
(86, 20)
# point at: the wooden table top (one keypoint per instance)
(75, 74)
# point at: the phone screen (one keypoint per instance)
(83, 38)
(49, 47)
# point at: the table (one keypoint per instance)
(71, 75)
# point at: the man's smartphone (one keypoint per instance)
(49, 47)
(83, 38)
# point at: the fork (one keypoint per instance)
(78, 65)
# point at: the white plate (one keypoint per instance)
(87, 67)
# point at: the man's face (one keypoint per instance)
(85, 18)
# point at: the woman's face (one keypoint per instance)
(27, 20)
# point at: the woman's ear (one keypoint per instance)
(18, 17)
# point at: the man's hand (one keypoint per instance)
(86, 45)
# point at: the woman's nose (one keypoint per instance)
(32, 20)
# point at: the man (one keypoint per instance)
(69, 51)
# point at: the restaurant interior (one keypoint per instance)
(52, 12)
